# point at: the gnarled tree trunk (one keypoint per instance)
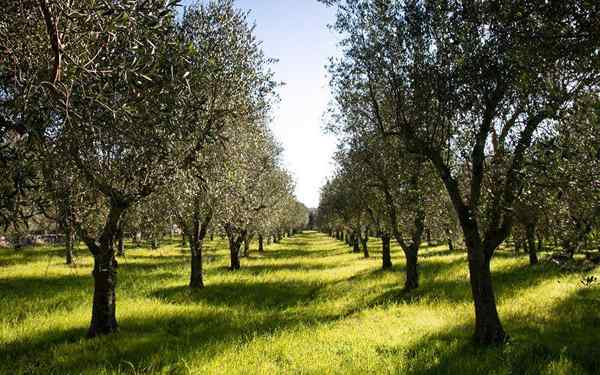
(261, 248)
(488, 328)
(531, 246)
(120, 242)
(247, 241)
(385, 251)
(234, 255)
(355, 243)
(196, 239)
(69, 242)
(364, 240)
(235, 243)
(412, 273)
(450, 243)
(104, 319)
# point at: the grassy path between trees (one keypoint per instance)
(307, 306)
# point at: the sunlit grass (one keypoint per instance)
(307, 306)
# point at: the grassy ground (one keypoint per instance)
(307, 306)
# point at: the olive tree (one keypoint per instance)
(469, 85)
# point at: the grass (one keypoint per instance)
(308, 306)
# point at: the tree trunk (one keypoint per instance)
(196, 275)
(235, 243)
(355, 244)
(412, 273)
(411, 250)
(365, 248)
(247, 240)
(518, 245)
(449, 236)
(104, 319)
(385, 249)
(69, 240)
(196, 237)
(533, 258)
(261, 248)
(120, 242)
(183, 239)
(428, 233)
(234, 255)
(488, 329)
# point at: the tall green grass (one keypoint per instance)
(307, 306)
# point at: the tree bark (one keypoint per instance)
(104, 319)
(196, 274)
(234, 255)
(365, 247)
(518, 245)
(385, 250)
(261, 248)
(198, 232)
(531, 246)
(120, 242)
(247, 240)
(411, 250)
(355, 243)
(450, 243)
(235, 243)
(69, 240)
(412, 273)
(488, 329)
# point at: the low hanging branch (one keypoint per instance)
(52, 28)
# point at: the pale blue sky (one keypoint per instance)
(296, 33)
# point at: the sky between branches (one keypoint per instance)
(295, 32)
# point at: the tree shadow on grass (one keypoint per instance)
(47, 253)
(566, 343)
(22, 297)
(255, 295)
(300, 253)
(258, 269)
(145, 345)
(508, 282)
(159, 343)
(440, 252)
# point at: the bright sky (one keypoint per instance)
(296, 33)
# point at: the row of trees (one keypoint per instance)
(118, 115)
(470, 120)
